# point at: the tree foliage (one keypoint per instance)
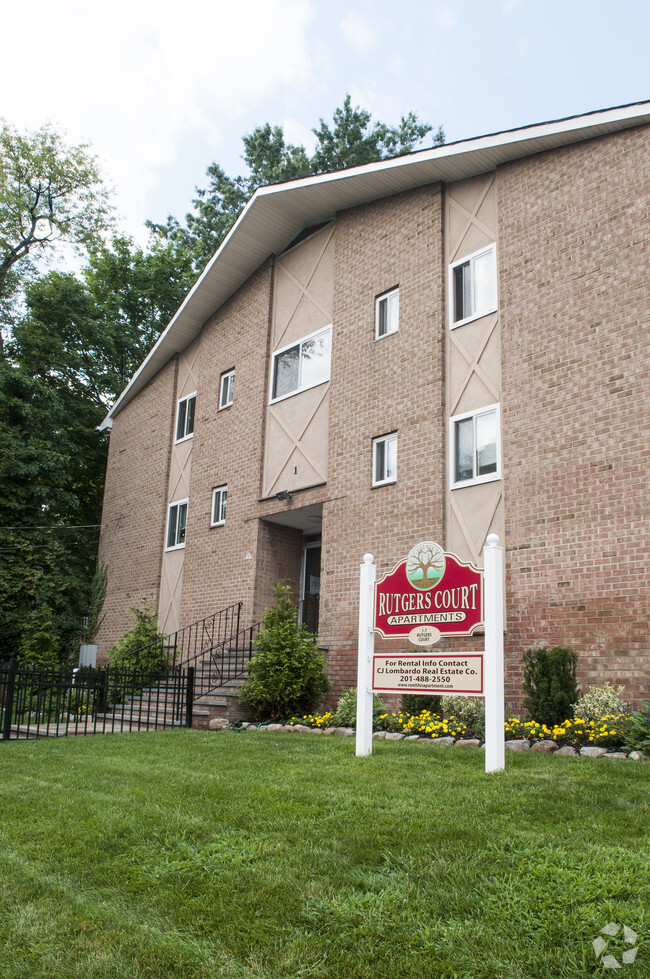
(550, 684)
(49, 192)
(352, 139)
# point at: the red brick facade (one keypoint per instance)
(573, 249)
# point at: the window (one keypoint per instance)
(302, 366)
(219, 495)
(473, 286)
(384, 460)
(177, 524)
(387, 314)
(475, 447)
(185, 417)
(227, 389)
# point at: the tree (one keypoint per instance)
(425, 565)
(286, 676)
(351, 140)
(49, 192)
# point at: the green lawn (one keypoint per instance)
(188, 854)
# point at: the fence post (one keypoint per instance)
(364, 659)
(493, 665)
(10, 685)
(189, 696)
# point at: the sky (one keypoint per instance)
(160, 90)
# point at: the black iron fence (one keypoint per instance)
(38, 702)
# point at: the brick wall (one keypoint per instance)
(135, 504)
(574, 252)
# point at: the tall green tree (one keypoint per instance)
(352, 139)
(49, 192)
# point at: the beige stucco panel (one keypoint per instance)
(187, 369)
(180, 470)
(171, 591)
(476, 511)
(304, 289)
(297, 437)
(471, 216)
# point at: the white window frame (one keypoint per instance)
(383, 440)
(186, 400)
(290, 346)
(220, 492)
(453, 422)
(390, 302)
(176, 505)
(226, 389)
(492, 304)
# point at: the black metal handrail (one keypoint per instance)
(185, 645)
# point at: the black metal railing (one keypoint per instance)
(186, 645)
(40, 702)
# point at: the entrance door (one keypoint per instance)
(311, 584)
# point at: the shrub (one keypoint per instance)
(286, 676)
(346, 709)
(415, 703)
(599, 702)
(39, 645)
(470, 711)
(550, 684)
(142, 649)
(638, 734)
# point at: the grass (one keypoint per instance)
(188, 854)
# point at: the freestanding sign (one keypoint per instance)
(429, 595)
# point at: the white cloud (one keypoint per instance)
(359, 32)
(445, 18)
(135, 77)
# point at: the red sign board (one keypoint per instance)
(428, 595)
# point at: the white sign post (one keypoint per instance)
(421, 671)
(494, 681)
(365, 651)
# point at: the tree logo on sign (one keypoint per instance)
(425, 565)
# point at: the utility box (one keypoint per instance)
(88, 655)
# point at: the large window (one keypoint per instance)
(227, 389)
(384, 459)
(473, 286)
(302, 366)
(387, 314)
(177, 524)
(219, 495)
(185, 417)
(475, 447)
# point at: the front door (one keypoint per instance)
(311, 585)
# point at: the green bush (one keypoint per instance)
(600, 702)
(39, 645)
(346, 710)
(550, 684)
(143, 648)
(415, 703)
(286, 676)
(469, 710)
(638, 735)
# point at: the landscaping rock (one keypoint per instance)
(637, 756)
(218, 724)
(330, 730)
(271, 727)
(344, 732)
(468, 743)
(446, 740)
(591, 751)
(518, 744)
(315, 730)
(615, 754)
(302, 728)
(379, 734)
(567, 749)
(544, 745)
(394, 736)
(412, 737)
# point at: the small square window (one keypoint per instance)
(384, 460)
(219, 494)
(475, 447)
(185, 417)
(177, 524)
(473, 286)
(387, 314)
(227, 390)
